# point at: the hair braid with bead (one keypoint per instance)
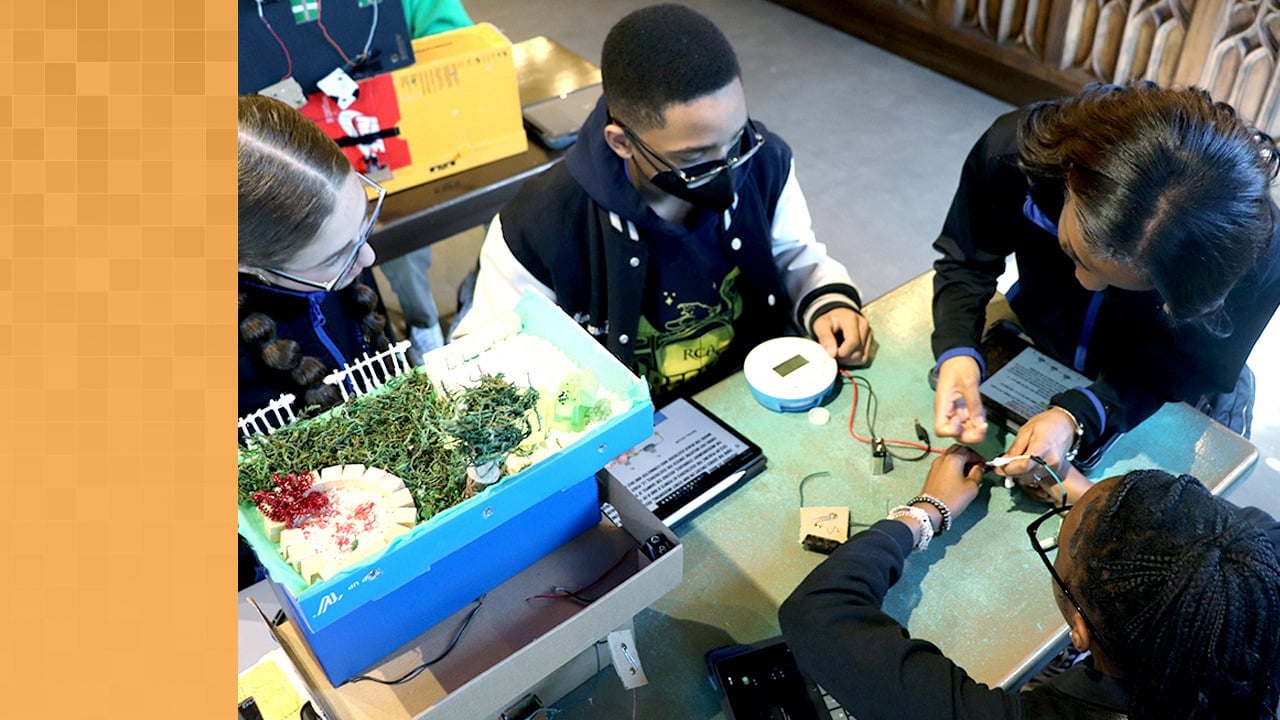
(306, 373)
(1192, 599)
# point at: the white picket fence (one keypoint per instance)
(370, 373)
(275, 415)
(367, 374)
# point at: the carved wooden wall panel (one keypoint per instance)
(1024, 50)
(1019, 23)
(1123, 40)
(1153, 40)
(1241, 66)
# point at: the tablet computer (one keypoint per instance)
(555, 122)
(763, 682)
(691, 459)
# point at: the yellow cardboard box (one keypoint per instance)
(459, 105)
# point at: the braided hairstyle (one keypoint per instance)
(1166, 181)
(290, 178)
(1187, 596)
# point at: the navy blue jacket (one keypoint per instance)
(579, 234)
(1120, 337)
(870, 663)
(327, 325)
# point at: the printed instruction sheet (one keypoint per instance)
(1025, 384)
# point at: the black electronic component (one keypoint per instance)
(921, 434)
(763, 682)
(815, 543)
(248, 710)
(656, 546)
(881, 458)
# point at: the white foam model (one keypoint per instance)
(371, 507)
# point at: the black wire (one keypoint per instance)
(928, 447)
(873, 410)
(567, 593)
(872, 404)
(418, 670)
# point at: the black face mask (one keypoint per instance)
(716, 194)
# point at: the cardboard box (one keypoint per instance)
(370, 609)
(459, 105)
(515, 645)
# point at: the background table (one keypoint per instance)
(419, 216)
(980, 592)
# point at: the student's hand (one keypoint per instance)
(845, 334)
(957, 406)
(1048, 436)
(1047, 491)
(954, 478)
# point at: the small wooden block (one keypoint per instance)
(825, 522)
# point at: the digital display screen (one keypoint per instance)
(790, 365)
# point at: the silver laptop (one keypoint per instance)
(555, 122)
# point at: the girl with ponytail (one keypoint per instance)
(306, 304)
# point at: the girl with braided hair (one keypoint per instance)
(307, 305)
(1175, 594)
(1185, 590)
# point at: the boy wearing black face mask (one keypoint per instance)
(675, 231)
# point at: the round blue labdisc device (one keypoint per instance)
(789, 374)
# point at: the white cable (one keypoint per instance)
(372, 28)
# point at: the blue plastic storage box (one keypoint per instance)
(364, 613)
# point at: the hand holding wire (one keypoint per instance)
(845, 334)
(1034, 486)
(954, 477)
(1037, 453)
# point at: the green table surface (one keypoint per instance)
(980, 592)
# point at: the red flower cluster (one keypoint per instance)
(291, 501)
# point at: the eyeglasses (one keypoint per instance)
(366, 229)
(746, 144)
(1043, 541)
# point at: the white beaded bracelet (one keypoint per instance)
(926, 525)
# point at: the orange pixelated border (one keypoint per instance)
(117, 224)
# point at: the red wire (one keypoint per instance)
(320, 22)
(853, 410)
(896, 443)
(287, 56)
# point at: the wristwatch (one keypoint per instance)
(926, 525)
